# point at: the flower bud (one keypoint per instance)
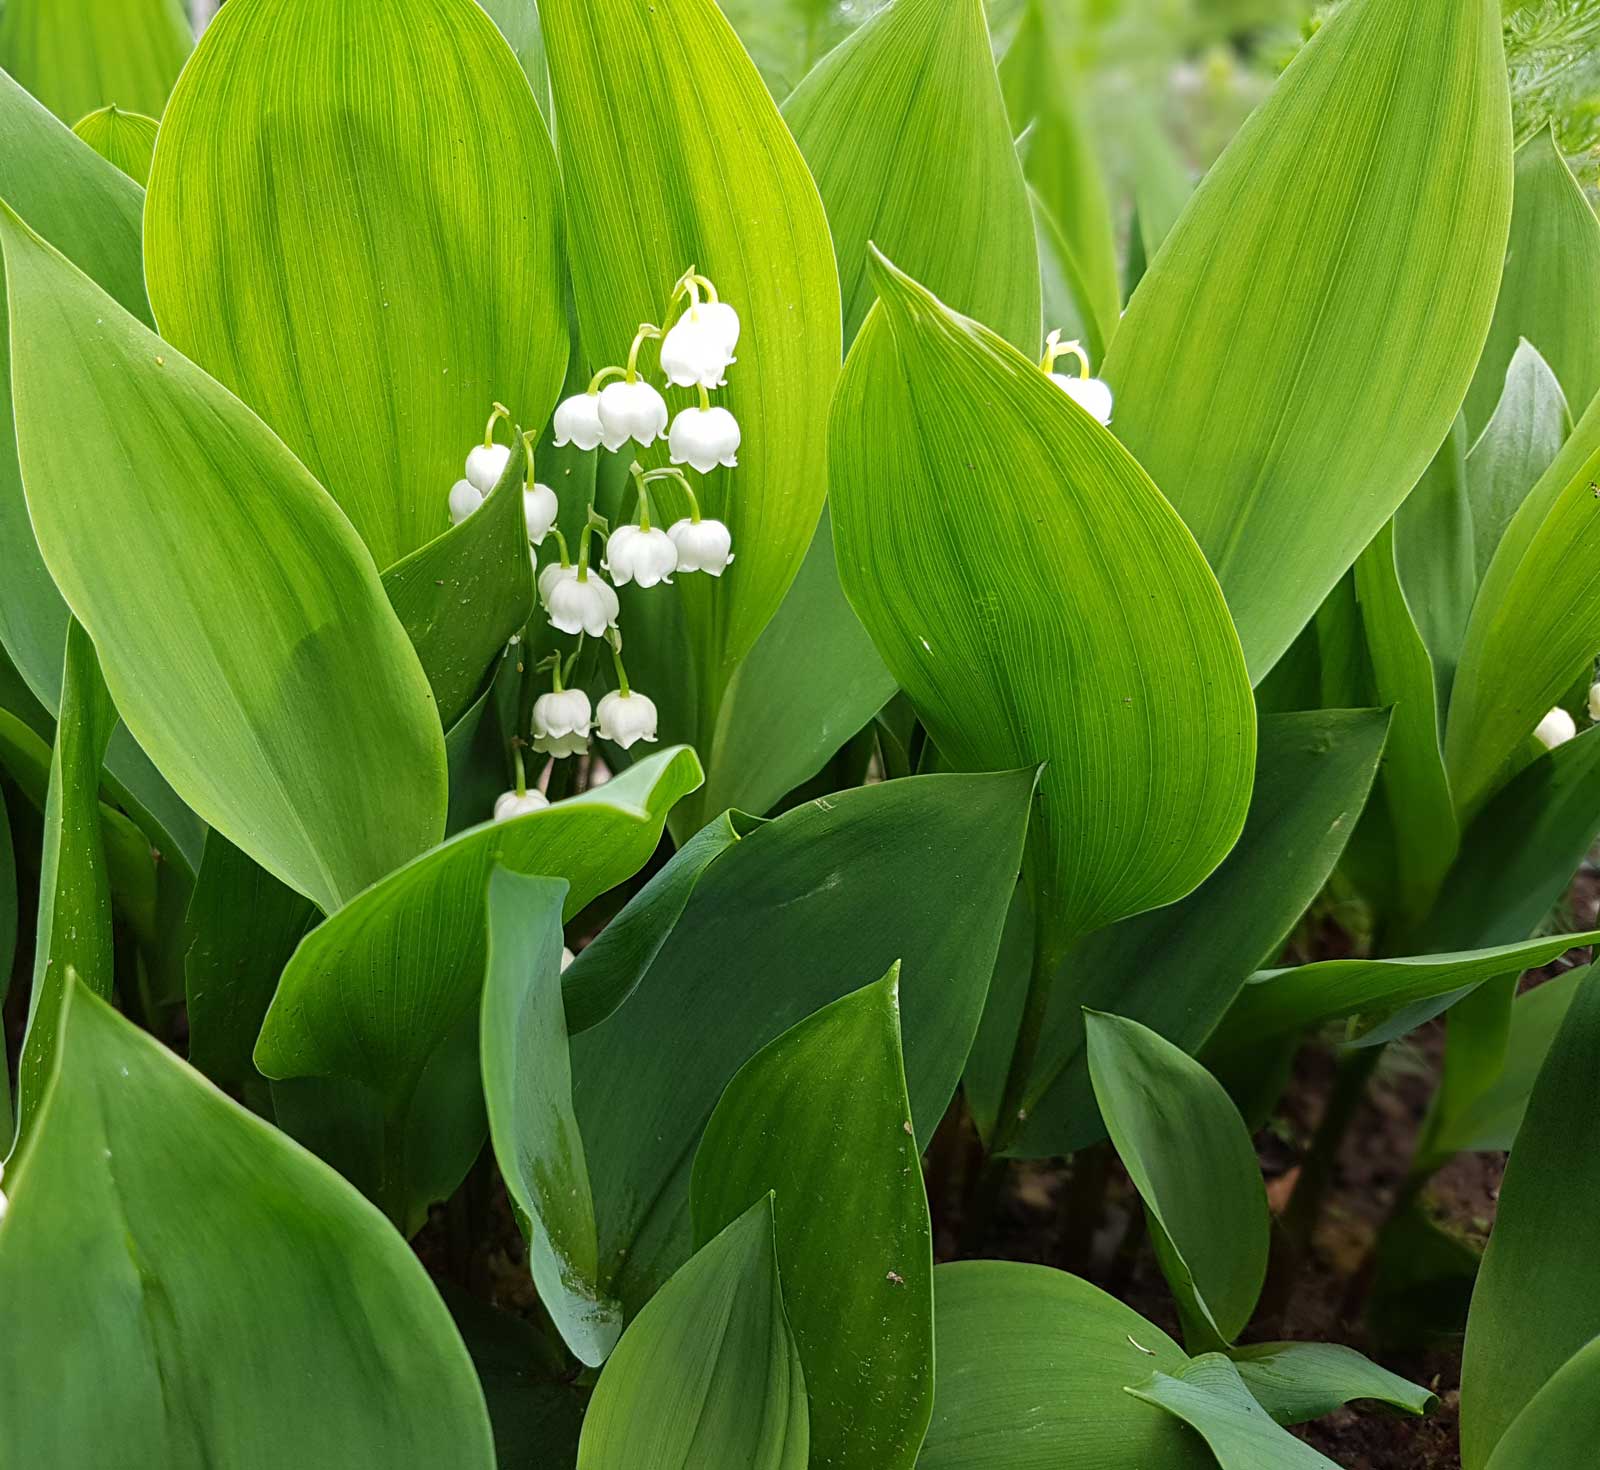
(704, 438)
(588, 607)
(703, 546)
(562, 720)
(486, 464)
(631, 411)
(1090, 394)
(539, 509)
(696, 352)
(625, 719)
(1594, 703)
(509, 805)
(636, 555)
(577, 421)
(465, 497)
(1556, 728)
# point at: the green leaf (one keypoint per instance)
(126, 139)
(74, 934)
(1210, 1397)
(782, 923)
(1535, 625)
(245, 638)
(1178, 969)
(527, 1086)
(1299, 1381)
(674, 155)
(1552, 281)
(906, 133)
(1296, 304)
(185, 1287)
(518, 22)
(1520, 442)
(77, 55)
(1039, 602)
(820, 1119)
(1189, 1155)
(708, 1373)
(387, 990)
(1561, 1421)
(462, 596)
(354, 223)
(1537, 1300)
(8, 914)
(1030, 1367)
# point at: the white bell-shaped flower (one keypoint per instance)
(562, 720)
(696, 353)
(643, 556)
(625, 719)
(465, 497)
(1556, 728)
(703, 546)
(539, 510)
(588, 606)
(577, 421)
(1594, 703)
(1090, 394)
(549, 577)
(722, 319)
(704, 438)
(631, 411)
(510, 805)
(486, 464)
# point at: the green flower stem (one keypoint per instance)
(604, 376)
(674, 473)
(500, 412)
(646, 333)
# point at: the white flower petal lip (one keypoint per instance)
(1556, 728)
(631, 411)
(637, 555)
(1594, 703)
(539, 509)
(465, 497)
(561, 745)
(562, 712)
(577, 421)
(589, 606)
(704, 438)
(509, 805)
(625, 719)
(695, 353)
(703, 546)
(486, 464)
(1090, 394)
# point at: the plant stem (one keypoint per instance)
(1030, 1030)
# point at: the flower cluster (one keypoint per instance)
(1089, 393)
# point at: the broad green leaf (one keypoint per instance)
(708, 1373)
(906, 133)
(1537, 1300)
(518, 22)
(126, 139)
(1161, 186)
(1189, 1155)
(820, 1119)
(8, 906)
(1030, 1367)
(1178, 969)
(695, 167)
(183, 1286)
(1039, 602)
(1518, 444)
(1535, 625)
(1298, 1381)
(387, 990)
(1297, 303)
(527, 1086)
(77, 55)
(245, 639)
(463, 595)
(1551, 284)
(355, 224)
(1561, 1421)
(1042, 84)
(782, 923)
(1210, 1396)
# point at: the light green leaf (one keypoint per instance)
(675, 155)
(386, 991)
(8, 909)
(708, 1374)
(518, 22)
(126, 139)
(1039, 602)
(1189, 1155)
(77, 55)
(1551, 285)
(820, 1119)
(355, 224)
(1561, 1421)
(1297, 303)
(1537, 1301)
(782, 923)
(527, 1086)
(1030, 1367)
(1210, 1397)
(245, 639)
(185, 1287)
(1299, 1381)
(906, 133)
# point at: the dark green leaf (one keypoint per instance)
(1298, 1381)
(1561, 1421)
